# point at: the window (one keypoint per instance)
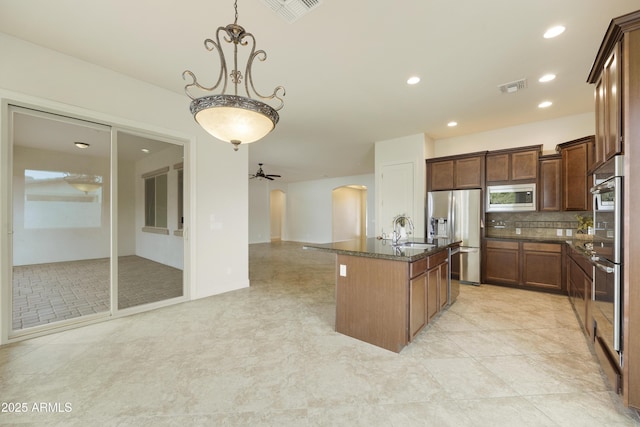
(155, 198)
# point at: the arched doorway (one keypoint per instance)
(349, 213)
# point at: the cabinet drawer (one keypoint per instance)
(501, 244)
(437, 259)
(417, 268)
(542, 247)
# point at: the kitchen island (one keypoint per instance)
(386, 294)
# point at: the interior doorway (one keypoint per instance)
(82, 197)
(277, 203)
(349, 213)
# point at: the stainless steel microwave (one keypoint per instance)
(511, 198)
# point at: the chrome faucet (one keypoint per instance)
(398, 221)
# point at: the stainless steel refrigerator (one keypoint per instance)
(455, 215)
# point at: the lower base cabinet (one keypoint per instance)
(527, 264)
(428, 290)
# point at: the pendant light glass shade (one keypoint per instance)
(231, 117)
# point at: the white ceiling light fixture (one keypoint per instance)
(238, 119)
(545, 104)
(81, 144)
(554, 32)
(413, 80)
(452, 124)
(547, 78)
(83, 182)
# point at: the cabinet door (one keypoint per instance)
(542, 265)
(574, 178)
(524, 166)
(417, 304)
(549, 187)
(498, 167)
(468, 173)
(441, 175)
(433, 285)
(612, 145)
(502, 262)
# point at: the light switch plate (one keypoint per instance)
(568, 232)
(518, 230)
(559, 232)
(343, 270)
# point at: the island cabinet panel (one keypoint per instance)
(417, 304)
(542, 265)
(433, 285)
(372, 301)
(550, 183)
(502, 263)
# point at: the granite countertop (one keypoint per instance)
(382, 249)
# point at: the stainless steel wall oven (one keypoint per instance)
(608, 254)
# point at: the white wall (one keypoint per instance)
(549, 133)
(277, 200)
(259, 211)
(406, 149)
(217, 227)
(309, 208)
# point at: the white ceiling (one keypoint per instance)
(345, 64)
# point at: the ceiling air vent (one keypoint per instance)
(292, 10)
(513, 86)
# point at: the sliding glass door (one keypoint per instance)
(71, 261)
(61, 219)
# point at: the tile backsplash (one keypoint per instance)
(539, 225)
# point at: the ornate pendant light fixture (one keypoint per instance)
(234, 118)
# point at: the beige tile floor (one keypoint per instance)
(268, 355)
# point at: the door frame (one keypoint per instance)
(146, 130)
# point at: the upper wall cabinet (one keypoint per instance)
(576, 182)
(609, 137)
(514, 165)
(550, 183)
(456, 172)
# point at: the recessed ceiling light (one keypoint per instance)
(145, 150)
(545, 104)
(554, 32)
(452, 124)
(547, 78)
(413, 80)
(81, 144)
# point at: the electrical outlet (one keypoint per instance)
(343, 270)
(568, 232)
(518, 231)
(559, 232)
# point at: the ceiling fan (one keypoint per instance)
(260, 174)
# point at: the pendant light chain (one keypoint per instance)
(235, 6)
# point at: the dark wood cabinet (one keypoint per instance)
(502, 262)
(575, 179)
(608, 141)
(456, 172)
(517, 165)
(579, 285)
(550, 183)
(542, 265)
(532, 265)
(428, 290)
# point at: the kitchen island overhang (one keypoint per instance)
(385, 293)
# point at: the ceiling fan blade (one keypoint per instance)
(276, 176)
(269, 178)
